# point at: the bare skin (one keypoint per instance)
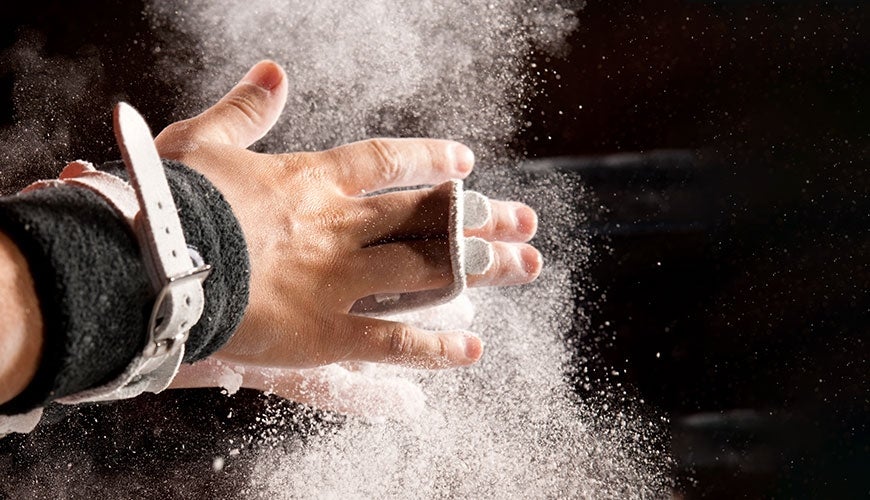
(21, 331)
(317, 244)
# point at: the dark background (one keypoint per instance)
(727, 144)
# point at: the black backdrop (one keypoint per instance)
(738, 252)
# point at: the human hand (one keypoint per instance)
(317, 244)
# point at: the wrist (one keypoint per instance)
(21, 336)
(93, 291)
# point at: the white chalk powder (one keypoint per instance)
(511, 426)
(230, 378)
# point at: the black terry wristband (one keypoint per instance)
(92, 286)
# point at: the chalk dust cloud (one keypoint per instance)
(512, 426)
(357, 69)
(47, 92)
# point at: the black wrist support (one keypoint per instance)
(92, 286)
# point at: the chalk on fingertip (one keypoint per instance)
(479, 255)
(477, 210)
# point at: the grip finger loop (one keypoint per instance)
(468, 256)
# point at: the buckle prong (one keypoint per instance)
(161, 341)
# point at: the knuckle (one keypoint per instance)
(290, 161)
(374, 208)
(244, 103)
(330, 218)
(391, 207)
(368, 216)
(493, 226)
(388, 159)
(443, 348)
(439, 155)
(498, 273)
(176, 129)
(337, 220)
(506, 265)
(340, 349)
(305, 168)
(401, 341)
(177, 138)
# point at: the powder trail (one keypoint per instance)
(511, 426)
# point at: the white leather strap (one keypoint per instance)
(180, 298)
(468, 209)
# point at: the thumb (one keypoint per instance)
(247, 111)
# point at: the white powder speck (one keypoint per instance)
(230, 379)
(510, 426)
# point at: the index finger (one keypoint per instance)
(376, 164)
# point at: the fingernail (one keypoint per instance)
(533, 261)
(464, 158)
(266, 75)
(473, 348)
(527, 221)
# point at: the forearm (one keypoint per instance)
(90, 290)
(21, 335)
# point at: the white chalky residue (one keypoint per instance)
(479, 256)
(230, 379)
(458, 314)
(477, 210)
(507, 428)
(511, 426)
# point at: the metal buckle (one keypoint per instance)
(161, 342)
